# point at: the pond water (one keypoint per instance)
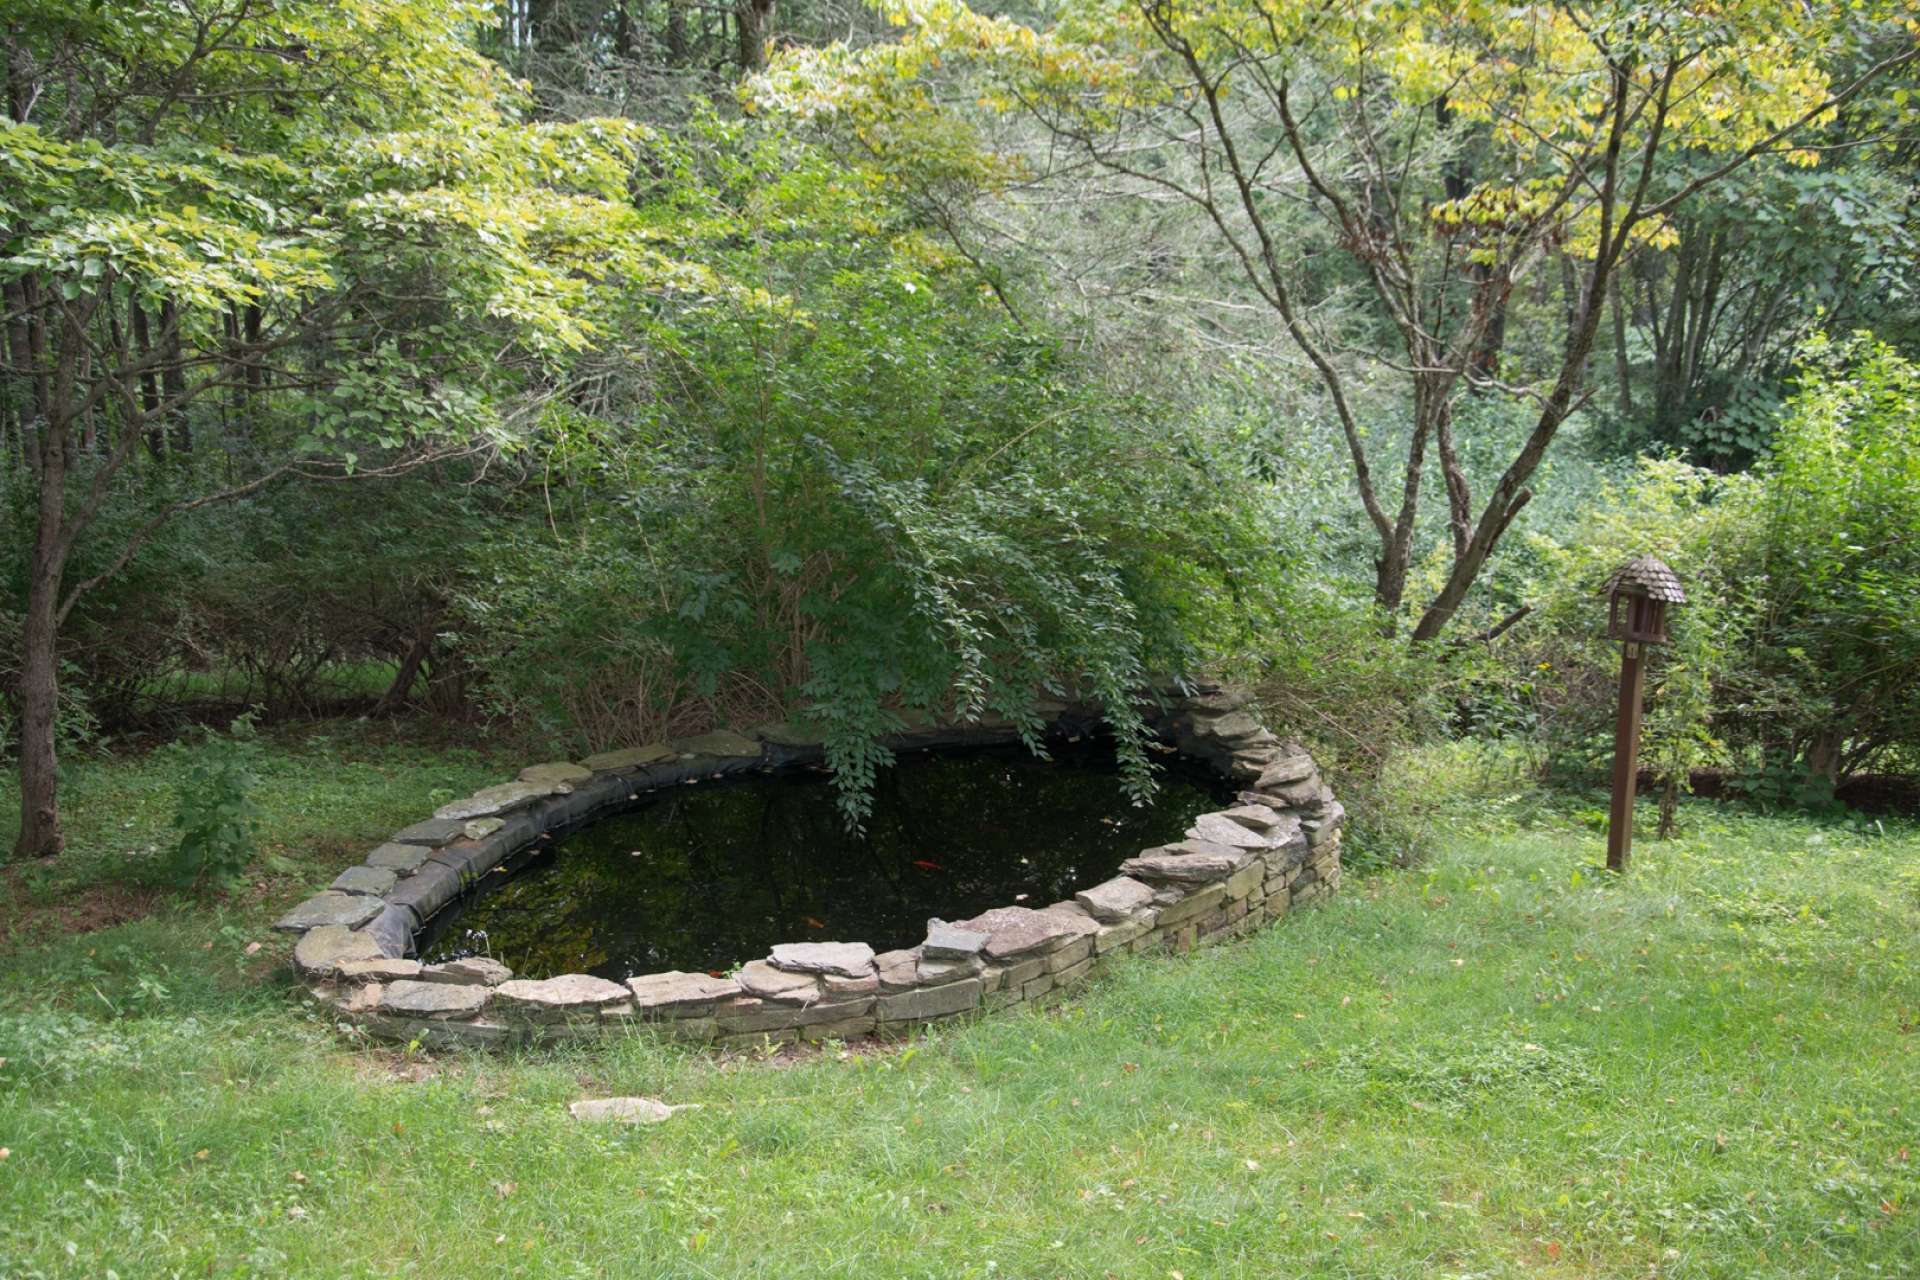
(705, 877)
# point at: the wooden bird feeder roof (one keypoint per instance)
(1649, 577)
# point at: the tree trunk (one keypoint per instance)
(753, 21)
(410, 663)
(40, 835)
(677, 31)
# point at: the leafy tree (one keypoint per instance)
(1450, 153)
(321, 221)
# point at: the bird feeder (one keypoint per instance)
(1638, 594)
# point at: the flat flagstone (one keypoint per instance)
(899, 970)
(1287, 769)
(1233, 726)
(467, 970)
(562, 772)
(951, 942)
(1190, 861)
(1220, 829)
(1256, 816)
(321, 951)
(557, 997)
(1013, 930)
(848, 959)
(433, 999)
(1115, 899)
(664, 992)
(760, 978)
(629, 757)
(431, 832)
(331, 907)
(489, 801)
(372, 881)
(721, 742)
(379, 970)
(401, 859)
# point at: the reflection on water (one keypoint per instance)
(706, 877)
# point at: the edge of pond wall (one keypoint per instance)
(1238, 868)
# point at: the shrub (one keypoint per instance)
(1796, 660)
(214, 812)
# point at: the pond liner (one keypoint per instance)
(1190, 892)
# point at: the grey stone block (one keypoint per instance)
(372, 881)
(847, 959)
(1194, 904)
(433, 1000)
(930, 1002)
(321, 951)
(432, 832)
(400, 859)
(331, 907)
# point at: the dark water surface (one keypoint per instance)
(705, 877)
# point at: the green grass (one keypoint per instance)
(1497, 1064)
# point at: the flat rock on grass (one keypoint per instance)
(625, 1110)
(847, 959)
(433, 999)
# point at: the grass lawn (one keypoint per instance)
(1499, 1063)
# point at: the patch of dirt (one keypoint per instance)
(88, 910)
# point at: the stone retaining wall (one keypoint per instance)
(1277, 848)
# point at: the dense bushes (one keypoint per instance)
(1797, 660)
(884, 498)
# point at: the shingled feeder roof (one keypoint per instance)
(1649, 577)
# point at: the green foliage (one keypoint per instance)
(215, 815)
(880, 498)
(1796, 661)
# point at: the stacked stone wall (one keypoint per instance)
(1277, 847)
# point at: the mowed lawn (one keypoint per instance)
(1499, 1063)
